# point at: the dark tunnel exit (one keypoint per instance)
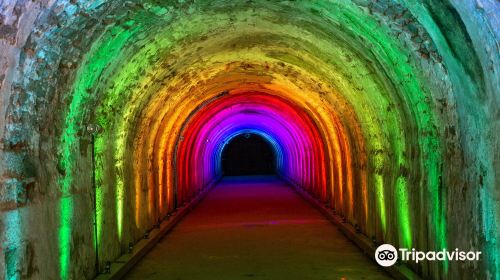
(248, 154)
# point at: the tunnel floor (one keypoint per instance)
(255, 228)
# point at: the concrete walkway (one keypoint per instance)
(255, 228)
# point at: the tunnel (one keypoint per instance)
(248, 154)
(117, 118)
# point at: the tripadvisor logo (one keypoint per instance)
(387, 255)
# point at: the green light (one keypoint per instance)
(403, 212)
(65, 212)
(379, 185)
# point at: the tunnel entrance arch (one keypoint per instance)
(248, 154)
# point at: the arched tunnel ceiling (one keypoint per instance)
(402, 97)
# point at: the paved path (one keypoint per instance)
(255, 228)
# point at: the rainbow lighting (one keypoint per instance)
(294, 136)
(385, 111)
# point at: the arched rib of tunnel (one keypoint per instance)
(386, 111)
